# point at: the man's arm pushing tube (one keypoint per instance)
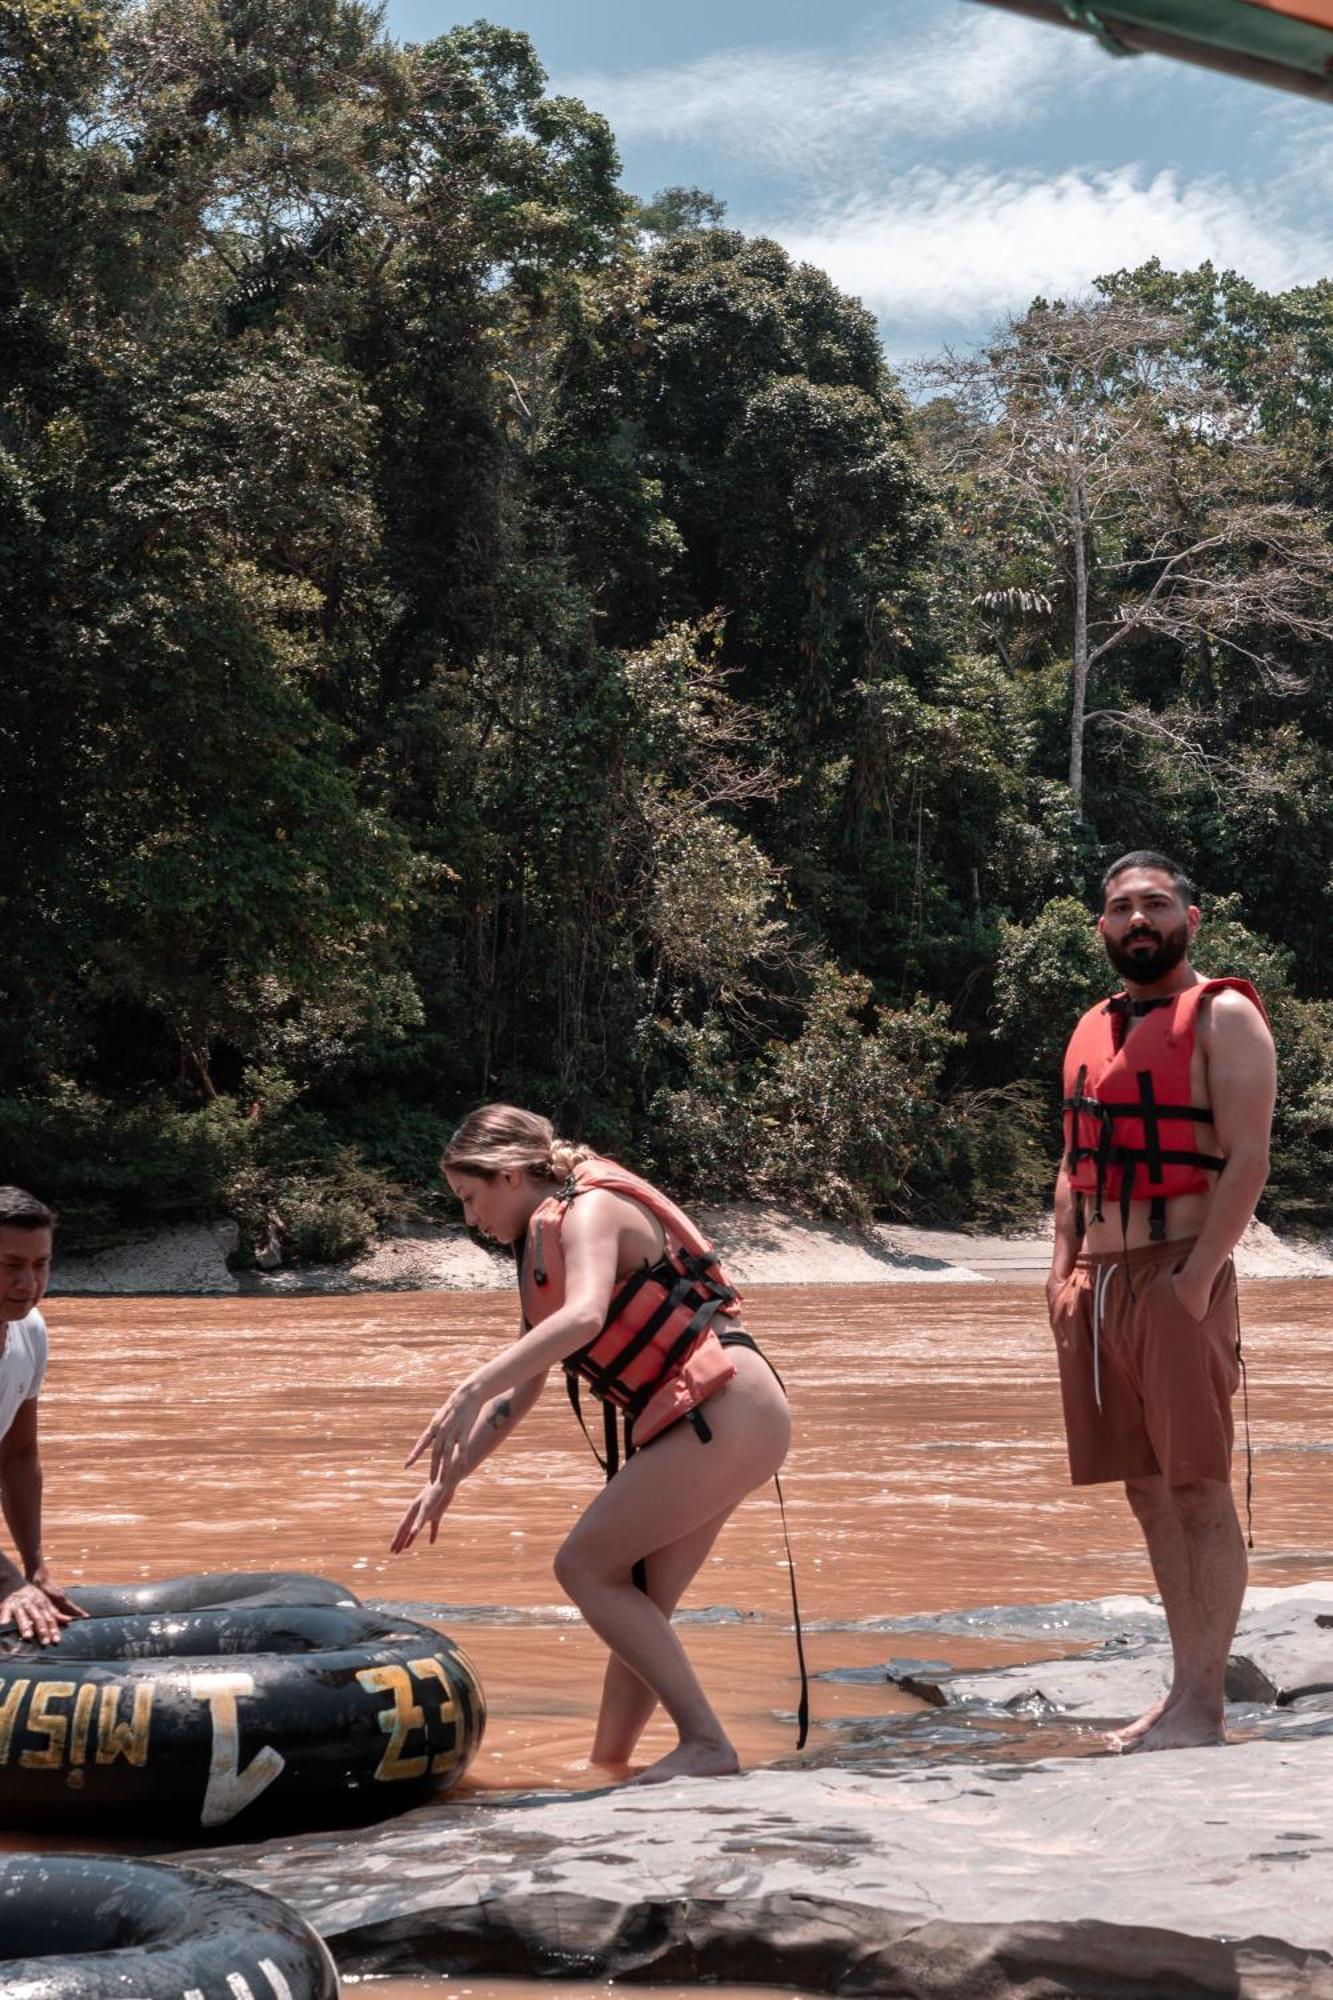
(28, 1598)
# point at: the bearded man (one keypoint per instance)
(1168, 1101)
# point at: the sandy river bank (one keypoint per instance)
(760, 1245)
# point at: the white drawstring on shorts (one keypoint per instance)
(1103, 1278)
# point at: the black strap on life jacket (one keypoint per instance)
(803, 1705)
(1109, 1151)
(1152, 1155)
(738, 1337)
(610, 1463)
(617, 1438)
(686, 1282)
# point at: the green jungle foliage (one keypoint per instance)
(469, 634)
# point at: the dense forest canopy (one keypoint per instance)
(472, 633)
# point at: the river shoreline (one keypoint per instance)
(760, 1245)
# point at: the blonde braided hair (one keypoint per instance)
(501, 1138)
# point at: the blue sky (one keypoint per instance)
(943, 161)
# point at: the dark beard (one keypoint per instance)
(1143, 966)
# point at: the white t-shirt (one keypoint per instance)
(22, 1365)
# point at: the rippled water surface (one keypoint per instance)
(927, 1472)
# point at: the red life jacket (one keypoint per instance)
(656, 1345)
(1130, 1129)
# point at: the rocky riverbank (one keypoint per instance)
(982, 1848)
(760, 1245)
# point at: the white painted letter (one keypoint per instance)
(230, 1788)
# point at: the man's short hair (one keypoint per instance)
(1148, 857)
(21, 1210)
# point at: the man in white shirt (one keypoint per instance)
(29, 1598)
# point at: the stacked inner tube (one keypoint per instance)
(79, 1927)
(247, 1715)
(211, 1590)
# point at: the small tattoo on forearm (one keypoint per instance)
(499, 1413)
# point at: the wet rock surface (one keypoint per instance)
(1281, 1658)
(1116, 1876)
(950, 1853)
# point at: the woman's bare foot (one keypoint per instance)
(1182, 1725)
(1123, 1739)
(704, 1757)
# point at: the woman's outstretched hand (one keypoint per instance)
(447, 1434)
(424, 1511)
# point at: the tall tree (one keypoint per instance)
(1127, 484)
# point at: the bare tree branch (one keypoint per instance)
(1086, 441)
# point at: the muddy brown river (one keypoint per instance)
(927, 1472)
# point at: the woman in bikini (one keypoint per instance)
(620, 1289)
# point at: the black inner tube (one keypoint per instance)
(61, 1910)
(209, 1590)
(204, 1635)
(285, 1714)
(83, 1927)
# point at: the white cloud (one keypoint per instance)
(1302, 150)
(804, 111)
(940, 250)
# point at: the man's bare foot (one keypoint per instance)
(1182, 1725)
(708, 1757)
(1121, 1739)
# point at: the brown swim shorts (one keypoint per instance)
(1146, 1388)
